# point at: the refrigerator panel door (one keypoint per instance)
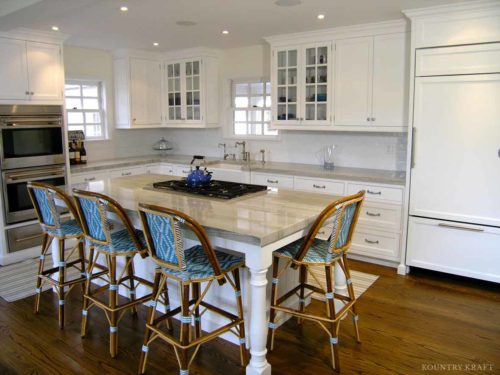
(456, 172)
(460, 249)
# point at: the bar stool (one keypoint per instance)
(43, 197)
(102, 237)
(189, 267)
(311, 251)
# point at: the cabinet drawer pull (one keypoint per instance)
(88, 179)
(371, 242)
(126, 173)
(319, 187)
(374, 192)
(28, 238)
(372, 214)
(460, 227)
(187, 172)
(272, 181)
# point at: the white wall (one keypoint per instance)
(368, 150)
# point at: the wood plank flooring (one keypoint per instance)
(409, 325)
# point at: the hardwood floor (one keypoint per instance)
(409, 325)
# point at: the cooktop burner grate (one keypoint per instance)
(216, 189)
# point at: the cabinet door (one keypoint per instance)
(45, 71)
(390, 80)
(192, 91)
(353, 81)
(174, 99)
(315, 82)
(13, 69)
(286, 95)
(145, 89)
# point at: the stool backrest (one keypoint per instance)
(344, 214)
(93, 210)
(44, 196)
(163, 232)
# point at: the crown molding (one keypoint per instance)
(385, 27)
(445, 10)
(36, 35)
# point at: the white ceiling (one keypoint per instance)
(100, 23)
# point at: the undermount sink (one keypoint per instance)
(226, 165)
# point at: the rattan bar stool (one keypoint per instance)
(43, 197)
(190, 268)
(111, 241)
(311, 251)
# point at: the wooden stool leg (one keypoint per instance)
(166, 299)
(332, 316)
(130, 274)
(62, 269)
(302, 281)
(197, 318)
(41, 265)
(243, 351)
(86, 293)
(113, 315)
(81, 255)
(272, 313)
(149, 322)
(352, 296)
(186, 322)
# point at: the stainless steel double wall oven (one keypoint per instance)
(31, 149)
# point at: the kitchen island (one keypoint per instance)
(254, 225)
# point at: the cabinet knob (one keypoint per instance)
(368, 119)
(134, 119)
(27, 92)
(32, 93)
(373, 118)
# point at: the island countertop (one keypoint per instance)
(259, 218)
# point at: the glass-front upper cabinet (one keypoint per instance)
(193, 92)
(301, 85)
(174, 101)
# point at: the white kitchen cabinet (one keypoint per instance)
(301, 85)
(78, 178)
(380, 215)
(377, 192)
(182, 170)
(30, 71)
(138, 92)
(131, 171)
(319, 185)
(232, 175)
(371, 84)
(375, 243)
(161, 168)
(191, 92)
(272, 180)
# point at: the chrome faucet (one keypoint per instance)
(263, 152)
(244, 154)
(223, 145)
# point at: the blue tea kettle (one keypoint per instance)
(198, 177)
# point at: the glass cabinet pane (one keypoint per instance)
(193, 94)
(174, 91)
(287, 81)
(315, 83)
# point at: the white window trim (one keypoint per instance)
(103, 102)
(228, 99)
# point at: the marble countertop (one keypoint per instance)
(295, 169)
(261, 218)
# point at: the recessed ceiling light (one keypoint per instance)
(186, 23)
(287, 3)
(55, 28)
(156, 44)
(225, 32)
(321, 16)
(124, 9)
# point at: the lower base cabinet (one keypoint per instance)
(460, 249)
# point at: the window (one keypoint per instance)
(251, 103)
(84, 105)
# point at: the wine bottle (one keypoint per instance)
(71, 153)
(77, 154)
(83, 154)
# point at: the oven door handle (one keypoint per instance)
(30, 176)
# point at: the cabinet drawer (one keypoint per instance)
(319, 185)
(381, 216)
(474, 59)
(25, 237)
(273, 180)
(181, 170)
(375, 243)
(127, 172)
(460, 249)
(376, 192)
(88, 177)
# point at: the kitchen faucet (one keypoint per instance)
(226, 155)
(244, 155)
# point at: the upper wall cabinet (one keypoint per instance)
(371, 83)
(301, 85)
(30, 71)
(191, 92)
(138, 92)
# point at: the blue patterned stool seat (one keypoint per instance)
(317, 253)
(121, 242)
(198, 267)
(69, 228)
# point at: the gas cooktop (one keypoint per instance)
(216, 189)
